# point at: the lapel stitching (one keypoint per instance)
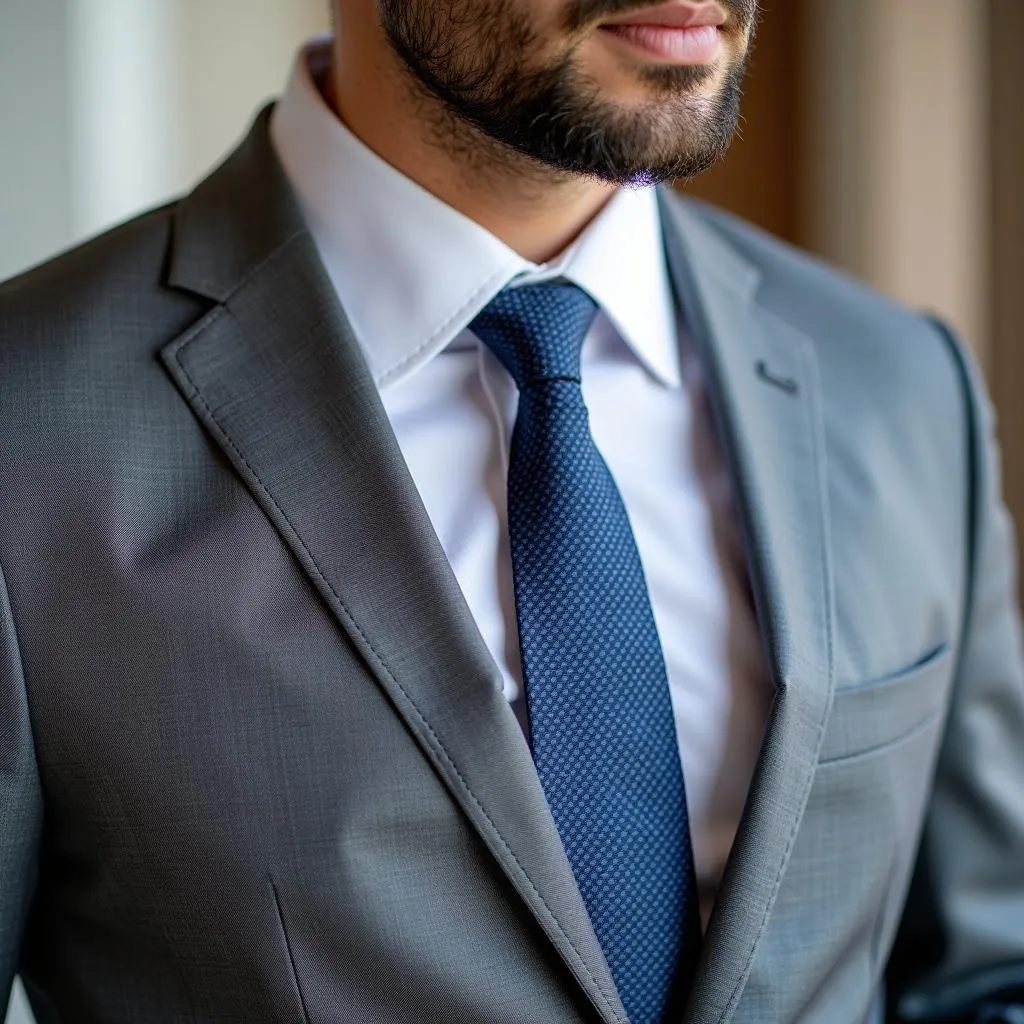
(815, 423)
(434, 743)
(774, 440)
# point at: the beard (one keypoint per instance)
(471, 55)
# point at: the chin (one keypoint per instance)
(633, 83)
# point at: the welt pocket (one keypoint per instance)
(879, 713)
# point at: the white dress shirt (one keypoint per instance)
(412, 273)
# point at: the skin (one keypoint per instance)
(524, 197)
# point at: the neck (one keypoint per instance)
(533, 209)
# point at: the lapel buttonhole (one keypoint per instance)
(787, 384)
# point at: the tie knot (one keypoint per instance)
(537, 331)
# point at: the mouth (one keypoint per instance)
(678, 32)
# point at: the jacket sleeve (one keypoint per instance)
(959, 954)
(21, 804)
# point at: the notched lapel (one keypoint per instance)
(764, 389)
(277, 378)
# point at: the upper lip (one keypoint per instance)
(675, 14)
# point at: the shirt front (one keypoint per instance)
(412, 273)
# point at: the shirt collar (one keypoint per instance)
(412, 272)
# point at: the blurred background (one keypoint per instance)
(886, 135)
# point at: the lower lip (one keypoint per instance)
(669, 45)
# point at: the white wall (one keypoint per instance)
(124, 111)
(35, 181)
(110, 106)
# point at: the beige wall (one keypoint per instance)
(896, 150)
(234, 55)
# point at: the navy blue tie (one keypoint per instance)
(601, 724)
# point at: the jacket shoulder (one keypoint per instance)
(859, 333)
(788, 272)
(107, 291)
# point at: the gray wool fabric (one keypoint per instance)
(255, 762)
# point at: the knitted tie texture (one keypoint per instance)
(601, 724)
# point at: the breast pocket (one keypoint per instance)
(880, 713)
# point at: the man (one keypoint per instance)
(449, 577)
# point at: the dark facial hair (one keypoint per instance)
(473, 56)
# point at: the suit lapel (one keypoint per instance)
(764, 390)
(276, 376)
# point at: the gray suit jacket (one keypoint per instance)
(255, 762)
